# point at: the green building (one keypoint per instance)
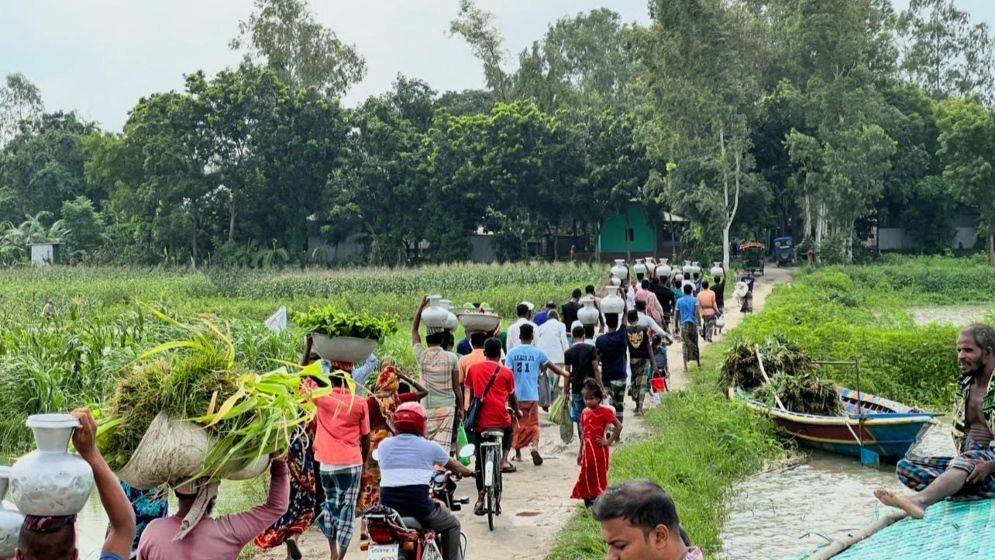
(635, 233)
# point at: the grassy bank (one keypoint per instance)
(702, 443)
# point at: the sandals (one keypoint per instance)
(536, 458)
(478, 508)
(511, 469)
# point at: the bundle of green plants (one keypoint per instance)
(805, 392)
(741, 368)
(332, 322)
(198, 379)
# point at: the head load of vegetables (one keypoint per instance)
(332, 323)
(199, 379)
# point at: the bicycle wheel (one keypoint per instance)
(490, 490)
(498, 487)
(491, 506)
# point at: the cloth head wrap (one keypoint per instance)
(206, 494)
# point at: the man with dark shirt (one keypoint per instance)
(612, 348)
(571, 308)
(581, 362)
(641, 361)
(719, 287)
(667, 300)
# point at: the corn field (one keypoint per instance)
(98, 325)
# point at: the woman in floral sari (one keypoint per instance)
(385, 400)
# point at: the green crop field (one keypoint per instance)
(100, 324)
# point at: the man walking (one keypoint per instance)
(543, 315)
(527, 363)
(688, 319)
(641, 361)
(569, 309)
(613, 352)
(495, 386)
(551, 338)
(971, 474)
(581, 365)
(341, 446)
(709, 310)
(524, 312)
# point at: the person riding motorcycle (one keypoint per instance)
(407, 462)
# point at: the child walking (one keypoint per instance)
(594, 455)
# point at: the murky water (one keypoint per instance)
(953, 315)
(786, 513)
(92, 521)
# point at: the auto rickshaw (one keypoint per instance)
(784, 251)
(753, 254)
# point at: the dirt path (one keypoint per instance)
(536, 500)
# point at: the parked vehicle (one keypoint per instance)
(784, 251)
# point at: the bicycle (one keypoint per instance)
(491, 453)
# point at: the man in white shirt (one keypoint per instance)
(551, 338)
(649, 323)
(524, 312)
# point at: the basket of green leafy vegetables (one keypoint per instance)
(342, 336)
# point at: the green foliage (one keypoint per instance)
(330, 322)
(698, 477)
(858, 312)
(196, 377)
(305, 54)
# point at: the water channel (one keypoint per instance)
(785, 513)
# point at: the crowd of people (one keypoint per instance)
(379, 445)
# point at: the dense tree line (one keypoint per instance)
(817, 119)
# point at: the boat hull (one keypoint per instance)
(885, 427)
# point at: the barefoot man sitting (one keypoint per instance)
(970, 474)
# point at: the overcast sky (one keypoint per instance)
(100, 56)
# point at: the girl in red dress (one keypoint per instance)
(594, 455)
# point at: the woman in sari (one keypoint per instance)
(440, 374)
(385, 400)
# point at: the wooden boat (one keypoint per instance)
(885, 427)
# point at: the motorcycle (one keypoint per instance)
(443, 489)
(393, 537)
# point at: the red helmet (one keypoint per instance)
(409, 418)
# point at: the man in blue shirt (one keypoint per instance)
(407, 462)
(613, 349)
(543, 315)
(527, 363)
(688, 319)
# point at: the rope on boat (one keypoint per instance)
(839, 545)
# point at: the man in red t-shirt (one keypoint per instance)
(494, 413)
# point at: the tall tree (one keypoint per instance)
(585, 59)
(44, 167)
(20, 106)
(967, 149)
(945, 53)
(303, 53)
(703, 81)
(477, 27)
